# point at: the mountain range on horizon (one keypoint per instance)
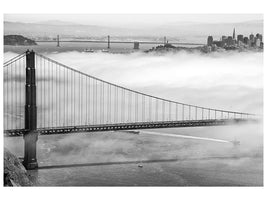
(179, 29)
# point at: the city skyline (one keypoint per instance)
(236, 41)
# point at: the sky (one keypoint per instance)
(123, 19)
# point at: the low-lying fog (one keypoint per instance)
(229, 80)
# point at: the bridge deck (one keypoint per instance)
(127, 126)
(120, 42)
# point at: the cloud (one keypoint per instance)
(217, 78)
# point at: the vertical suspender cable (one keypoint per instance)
(156, 113)
(170, 111)
(176, 112)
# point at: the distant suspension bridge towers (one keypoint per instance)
(136, 44)
(43, 96)
(58, 45)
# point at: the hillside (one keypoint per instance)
(14, 172)
(18, 40)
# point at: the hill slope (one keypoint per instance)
(18, 40)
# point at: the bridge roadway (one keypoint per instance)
(120, 42)
(128, 126)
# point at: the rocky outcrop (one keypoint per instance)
(14, 172)
(18, 40)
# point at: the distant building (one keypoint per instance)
(224, 40)
(240, 38)
(234, 34)
(259, 36)
(258, 42)
(261, 45)
(210, 41)
(209, 49)
(251, 37)
(245, 40)
(230, 41)
(218, 43)
(251, 42)
(214, 47)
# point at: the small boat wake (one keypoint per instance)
(235, 142)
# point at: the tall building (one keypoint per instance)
(234, 34)
(210, 41)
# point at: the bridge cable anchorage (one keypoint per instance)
(70, 100)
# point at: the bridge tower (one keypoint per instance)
(58, 41)
(31, 135)
(136, 45)
(108, 42)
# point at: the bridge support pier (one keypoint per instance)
(30, 144)
(108, 42)
(58, 41)
(31, 135)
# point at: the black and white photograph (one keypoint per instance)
(133, 100)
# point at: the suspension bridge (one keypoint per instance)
(109, 42)
(43, 96)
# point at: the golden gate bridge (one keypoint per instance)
(43, 96)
